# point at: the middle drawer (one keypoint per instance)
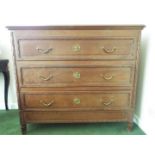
(51, 76)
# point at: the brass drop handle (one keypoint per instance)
(46, 78)
(76, 75)
(44, 51)
(106, 103)
(109, 51)
(46, 104)
(76, 48)
(76, 101)
(107, 76)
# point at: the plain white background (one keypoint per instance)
(89, 12)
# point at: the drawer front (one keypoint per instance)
(78, 100)
(106, 48)
(74, 76)
(78, 116)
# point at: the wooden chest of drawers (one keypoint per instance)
(76, 73)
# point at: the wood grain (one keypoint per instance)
(76, 73)
(87, 100)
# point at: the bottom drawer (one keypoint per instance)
(113, 100)
(74, 116)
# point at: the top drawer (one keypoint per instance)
(112, 48)
(75, 44)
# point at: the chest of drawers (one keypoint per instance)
(76, 73)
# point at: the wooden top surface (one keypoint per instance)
(78, 27)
